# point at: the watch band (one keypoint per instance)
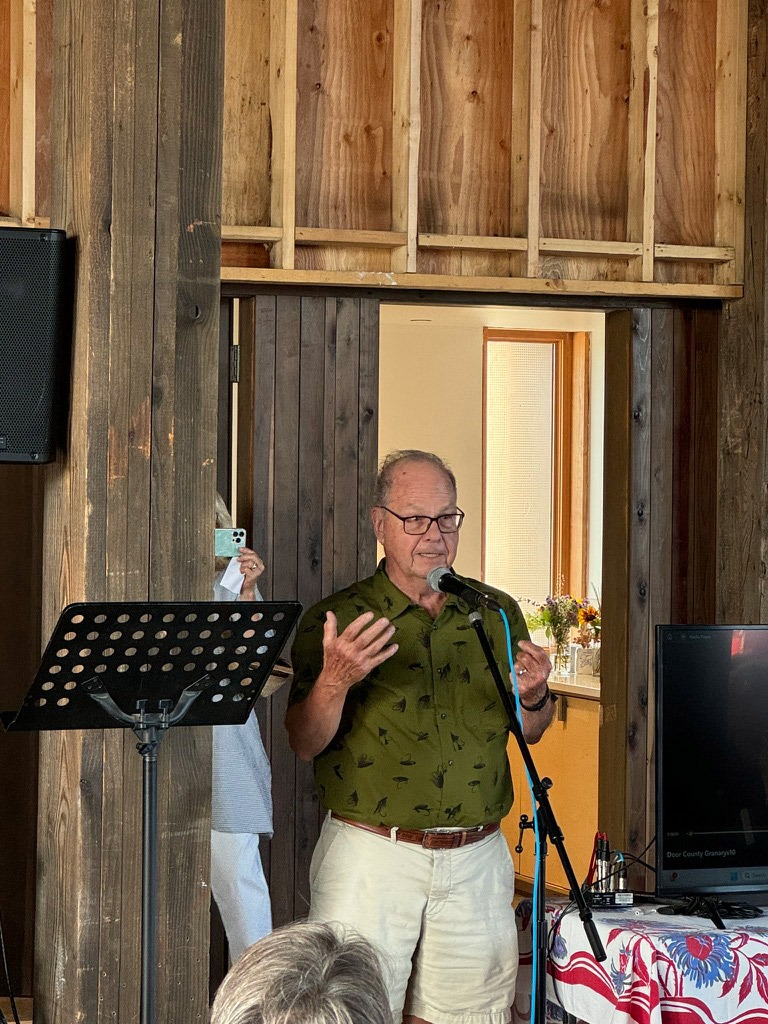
(541, 703)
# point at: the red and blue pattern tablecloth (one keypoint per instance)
(659, 969)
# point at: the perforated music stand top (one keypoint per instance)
(152, 652)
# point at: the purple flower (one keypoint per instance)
(704, 958)
(559, 950)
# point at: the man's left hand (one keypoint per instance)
(532, 667)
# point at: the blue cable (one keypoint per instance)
(535, 819)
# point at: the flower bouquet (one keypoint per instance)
(589, 624)
(586, 650)
(557, 617)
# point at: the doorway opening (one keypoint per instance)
(512, 399)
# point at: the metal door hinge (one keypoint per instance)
(234, 364)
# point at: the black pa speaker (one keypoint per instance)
(34, 338)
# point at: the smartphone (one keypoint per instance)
(228, 543)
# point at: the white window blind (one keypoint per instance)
(519, 459)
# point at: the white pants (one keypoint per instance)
(442, 919)
(240, 889)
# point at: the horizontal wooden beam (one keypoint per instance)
(23, 1006)
(246, 233)
(590, 247)
(487, 242)
(445, 282)
(704, 253)
(350, 236)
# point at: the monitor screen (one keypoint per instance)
(711, 759)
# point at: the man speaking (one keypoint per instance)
(393, 699)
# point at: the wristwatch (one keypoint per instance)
(541, 703)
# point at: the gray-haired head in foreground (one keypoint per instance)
(305, 973)
(393, 460)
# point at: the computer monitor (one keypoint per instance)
(711, 760)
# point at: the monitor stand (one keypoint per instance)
(695, 906)
(712, 907)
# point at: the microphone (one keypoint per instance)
(445, 580)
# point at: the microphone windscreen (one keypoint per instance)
(435, 575)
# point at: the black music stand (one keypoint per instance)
(147, 667)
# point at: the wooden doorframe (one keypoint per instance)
(659, 521)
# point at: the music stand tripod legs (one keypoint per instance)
(150, 729)
(548, 828)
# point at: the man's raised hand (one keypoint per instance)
(364, 644)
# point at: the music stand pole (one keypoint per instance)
(548, 828)
(148, 751)
(150, 729)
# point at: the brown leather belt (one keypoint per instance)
(429, 840)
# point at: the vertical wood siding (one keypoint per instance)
(659, 534)
(137, 116)
(308, 447)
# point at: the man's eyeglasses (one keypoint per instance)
(449, 522)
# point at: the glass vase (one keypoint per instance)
(561, 659)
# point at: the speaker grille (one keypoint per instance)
(33, 332)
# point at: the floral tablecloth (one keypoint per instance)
(659, 970)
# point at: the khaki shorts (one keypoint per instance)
(443, 919)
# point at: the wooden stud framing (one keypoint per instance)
(22, 112)
(534, 139)
(406, 130)
(588, 248)
(487, 242)
(423, 150)
(349, 236)
(520, 119)
(245, 233)
(283, 56)
(424, 128)
(724, 254)
(452, 282)
(650, 69)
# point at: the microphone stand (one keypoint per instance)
(548, 827)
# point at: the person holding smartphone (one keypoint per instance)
(241, 794)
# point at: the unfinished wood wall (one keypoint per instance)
(540, 145)
(539, 142)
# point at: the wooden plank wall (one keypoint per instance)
(21, 541)
(128, 508)
(659, 535)
(307, 455)
(742, 591)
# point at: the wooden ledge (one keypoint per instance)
(23, 1005)
(443, 282)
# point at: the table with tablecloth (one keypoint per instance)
(659, 969)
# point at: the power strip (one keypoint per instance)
(608, 900)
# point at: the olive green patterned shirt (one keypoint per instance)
(422, 741)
